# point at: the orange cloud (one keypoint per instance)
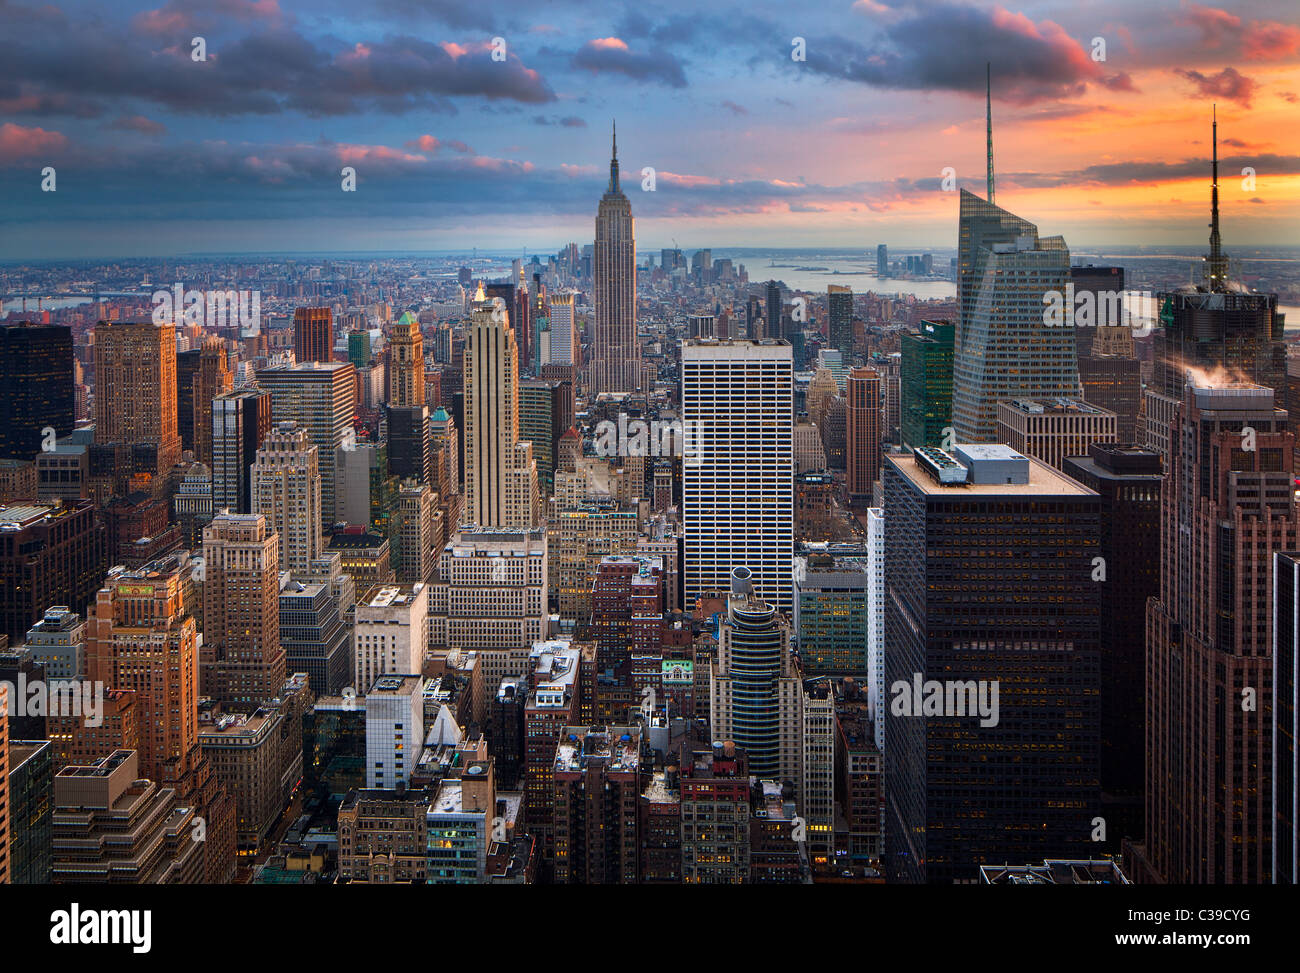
(17, 142)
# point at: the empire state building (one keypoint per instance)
(616, 365)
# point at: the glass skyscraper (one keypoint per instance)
(1005, 346)
(926, 383)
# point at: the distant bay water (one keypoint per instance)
(815, 270)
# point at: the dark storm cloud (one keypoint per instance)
(49, 69)
(1139, 173)
(1228, 83)
(138, 123)
(612, 55)
(945, 46)
(453, 13)
(568, 121)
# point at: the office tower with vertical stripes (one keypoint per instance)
(863, 414)
(500, 473)
(240, 422)
(321, 397)
(564, 331)
(738, 467)
(313, 334)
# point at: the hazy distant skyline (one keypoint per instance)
(156, 154)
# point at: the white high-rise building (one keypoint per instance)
(287, 492)
(500, 473)
(738, 468)
(876, 619)
(394, 729)
(564, 332)
(391, 632)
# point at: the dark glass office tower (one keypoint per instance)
(240, 423)
(988, 588)
(1128, 480)
(51, 553)
(410, 452)
(754, 320)
(773, 325)
(926, 384)
(187, 367)
(37, 389)
(1114, 383)
(1106, 287)
(839, 302)
(31, 811)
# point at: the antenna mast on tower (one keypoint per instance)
(988, 120)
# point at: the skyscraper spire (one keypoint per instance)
(988, 120)
(613, 163)
(1216, 267)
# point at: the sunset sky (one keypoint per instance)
(157, 154)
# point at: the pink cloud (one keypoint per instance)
(374, 153)
(1267, 41)
(174, 17)
(17, 142)
(682, 179)
(425, 143)
(1212, 22)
